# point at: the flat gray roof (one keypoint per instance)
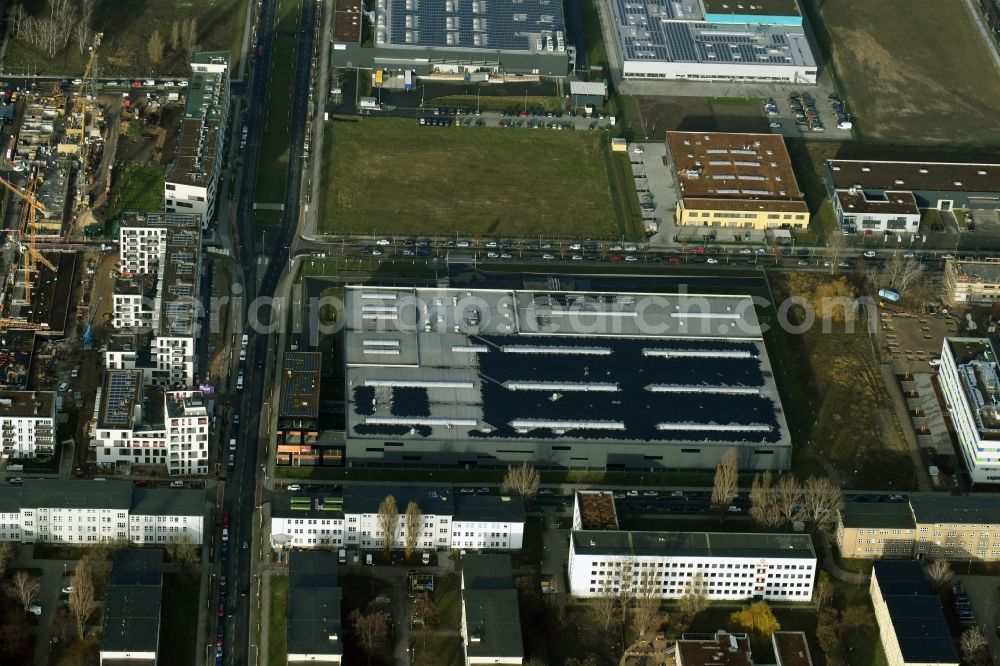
(168, 502)
(132, 618)
(976, 272)
(366, 498)
(957, 509)
(887, 515)
(979, 377)
(21, 404)
(314, 613)
(493, 622)
(489, 508)
(693, 544)
(487, 572)
(76, 494)
(493, 364)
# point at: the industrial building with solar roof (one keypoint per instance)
(712, 40)
(491, 377)
(454, 37)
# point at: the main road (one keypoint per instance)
(242, 487)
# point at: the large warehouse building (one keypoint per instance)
(712, 40)
(736, 181)
(490, 377)
(453, 37)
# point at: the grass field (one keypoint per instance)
(394, 177)
(127, 26)
(277, 621)
(136, 188)
(272, 173)
(926, 78)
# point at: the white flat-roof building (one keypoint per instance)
(708, 40)
(27, 423)
(87, 512)
(970, 382)
(473, 522)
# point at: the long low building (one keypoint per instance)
(82, 512)
(491, 623)
(474, 522)
(132, 609)
(723, 566)
(564, 379)
(314, 609)
(969, 377)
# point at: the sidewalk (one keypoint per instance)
(829, 564)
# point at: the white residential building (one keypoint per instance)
(84, 512)
(27, 423)
(970, 382)
(126, 434)
(157, 295)
(774, 567)
(305, 520)
(868, 212)
(192, 182)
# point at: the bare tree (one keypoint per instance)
(175, 36)
(624, 579)
(647, 600)
(727, 477)
(836, 244)
(187, 557)
(189, 34)
(857, 617)
(522, 480)
(84, 20)
(940, 574)
(763, 511)
(81, 596)
(154, 48)
(25, 588)
(371, 631)
(901, 271)
(694, 600)
(822, 499)
(388, 521)
(604, 608)
(7, 554)
(824, 589)
(413, 525)
(787, 498)
(975, 648)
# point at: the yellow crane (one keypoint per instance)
(83, 104)
(30, 257)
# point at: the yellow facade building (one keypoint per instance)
(736, 181)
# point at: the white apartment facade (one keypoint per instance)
(27, 424)
(735, 567)
(90, 512)
(970, 382)
(186, 424)
(302, 521)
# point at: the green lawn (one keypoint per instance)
(179, 628)
(592, 36)
(927, 78)
(277, 629)
(136, 188)
(127, 26)
(391, 176)
(432, 647)
(273, 168)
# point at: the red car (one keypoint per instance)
(222, 610)
(674, 260)
(137, 84)
(225, 519)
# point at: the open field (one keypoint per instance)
(501, 103)
(652, 117)
(394, 177)
(127, 26)
(136, 188)
(926, 78)
(272, 173)
(839, 414)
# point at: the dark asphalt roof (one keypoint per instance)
(59, 493)
(131, 618)
(694, 544)
(134, 566)
(168, 502)
(493, 617)
(885, 515)
(366, 499)
(487, 572)
(489, 508)
(915, 612)
(314, 614)
(961, 509)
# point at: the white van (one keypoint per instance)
(342, 556)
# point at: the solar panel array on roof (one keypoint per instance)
(681, 44)
(120, 399)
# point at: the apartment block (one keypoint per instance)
(970, 281)
(312, 520)
(27, 423)
(911, 622)
(970, 383)
(875, 530)
(86, 512)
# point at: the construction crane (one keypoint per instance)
(83, 104)
(88, 333)
(30, 256)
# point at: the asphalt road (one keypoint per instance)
(241, 485)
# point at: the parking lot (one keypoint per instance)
(804, 114)
(984, 601)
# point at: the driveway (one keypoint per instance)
(48, 595)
